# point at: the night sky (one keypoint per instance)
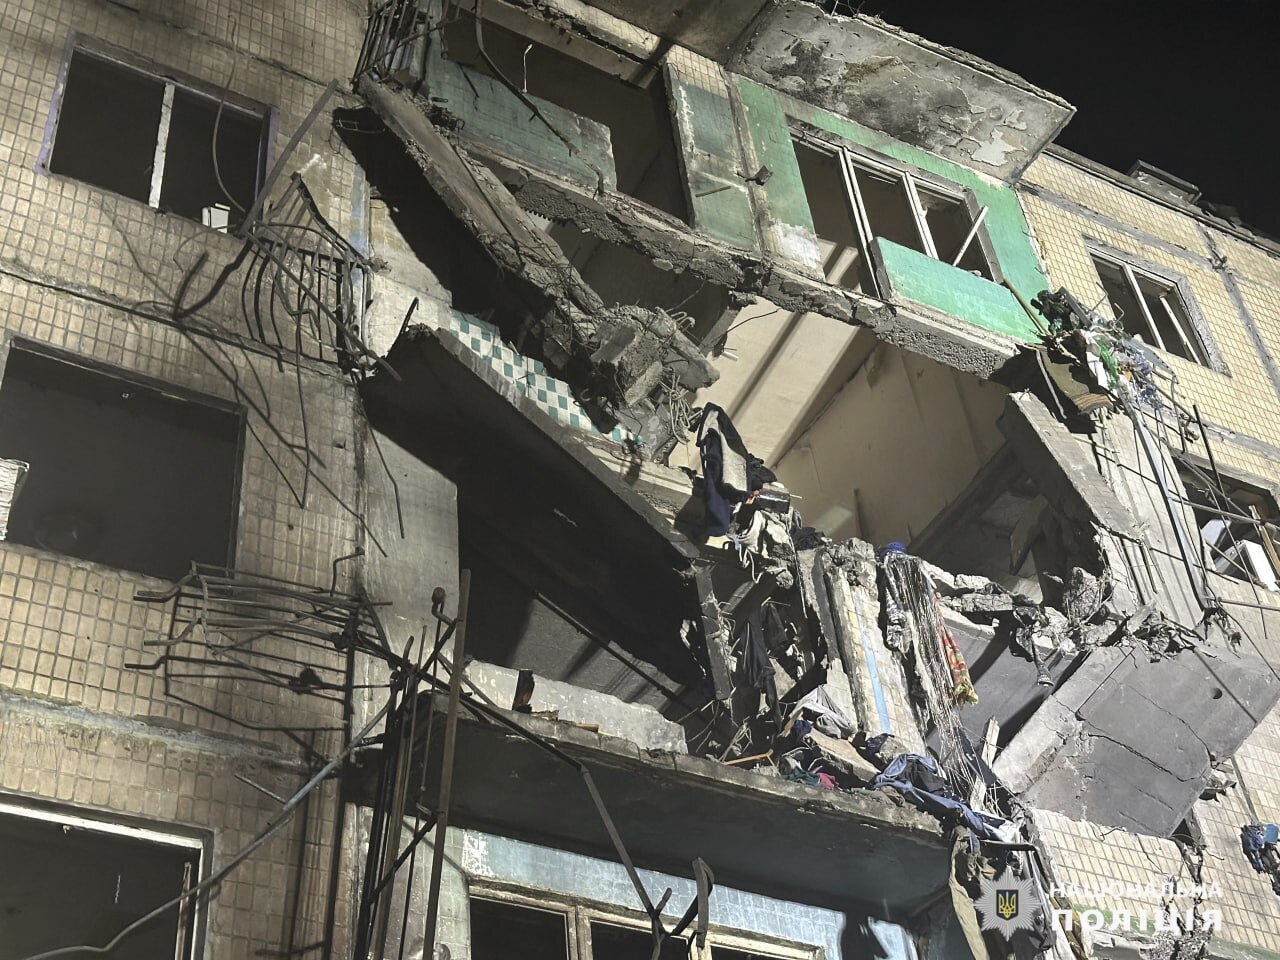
(1191, 89)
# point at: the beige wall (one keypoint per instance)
(95, 274)
(1067, 205)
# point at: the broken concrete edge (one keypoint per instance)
(52, 713)
(578, 330)
(569, 439)
(879, 809)
(673, 246)
(1043, 445)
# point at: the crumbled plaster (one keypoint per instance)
(920, 93)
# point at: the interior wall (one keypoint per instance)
(897, 444)
(776, 372)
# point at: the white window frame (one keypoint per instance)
(1197, 351)
(97, 824)
(172, 82)
(911, 181)
(580, 916)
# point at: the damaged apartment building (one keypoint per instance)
(582, 479)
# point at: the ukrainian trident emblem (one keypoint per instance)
(1007, 904)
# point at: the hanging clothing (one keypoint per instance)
(920, 780)
(827, 717)
(760, 633)
(913, 617)
(730, 473)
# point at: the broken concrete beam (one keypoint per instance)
(612, 358)
(637, 344)
(1060, 467)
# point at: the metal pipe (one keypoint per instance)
(446, 764)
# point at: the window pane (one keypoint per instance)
(66, 885)
(1124, 303)
(121, 474)
(888, 209)
(611, 942)
(1171, 318)
(107, 126)
(843, 259)
(949, 223)
(504, 931)
(190, 182)
(727, 953)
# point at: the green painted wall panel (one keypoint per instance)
(494, 117)
(769, 111)
(711, 154)
(920, 278)
(790, 222)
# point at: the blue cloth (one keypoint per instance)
(920, 780)
(1253, 842)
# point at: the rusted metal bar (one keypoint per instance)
(456, 672)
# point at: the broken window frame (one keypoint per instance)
(912, 181)
(1265, 532)
(172, 81)
(1192, 333)
(191, 942)
(580, 916)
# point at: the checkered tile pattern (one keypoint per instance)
(529, 376)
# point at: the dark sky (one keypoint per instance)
(1192, 89)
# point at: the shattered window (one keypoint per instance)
(1237, 524)
(853, 200)
(1149, 308)
(82, 881)
(144, 136)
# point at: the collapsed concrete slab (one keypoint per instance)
(1130, 743)
(612, 359)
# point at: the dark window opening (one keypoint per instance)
(505, 931)
(550, 595)
(1150, 309)
(149, 138)
(612, 942)
(888, 207)
(638, 116)
(67, 884)
(121, 473)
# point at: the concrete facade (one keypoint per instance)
(499, 376)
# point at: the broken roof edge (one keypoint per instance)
(971, 60)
